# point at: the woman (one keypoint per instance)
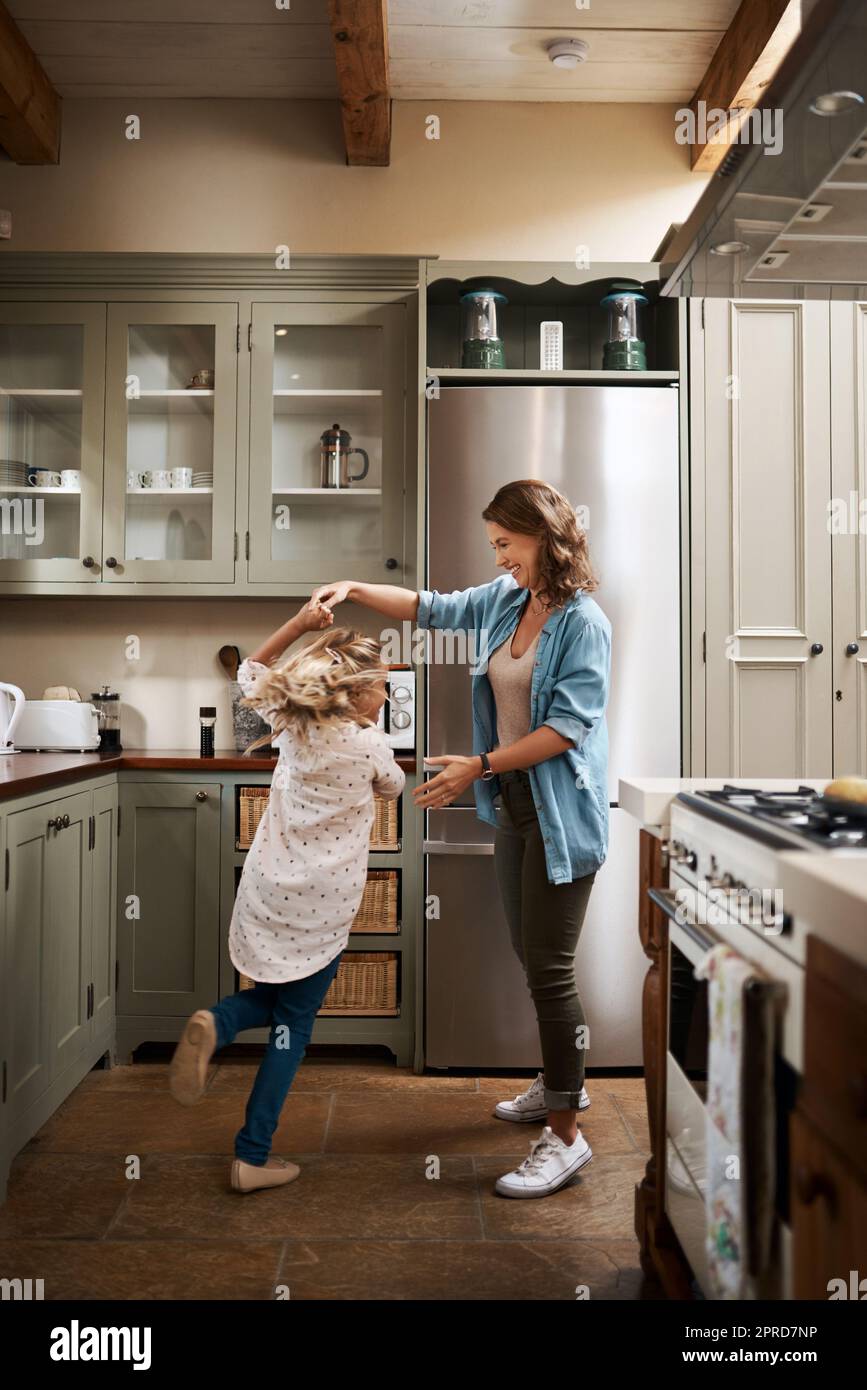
(540, 742)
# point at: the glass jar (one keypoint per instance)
(482, 346)
(624, 350)
(107, 703)
(207, 720)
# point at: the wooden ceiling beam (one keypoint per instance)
(359, 29)
(29, 105)
(749, 53)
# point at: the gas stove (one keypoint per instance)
(802, 818)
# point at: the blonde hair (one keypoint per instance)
(322, 683)
(533, 508)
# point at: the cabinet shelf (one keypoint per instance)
(166, 491)
(172, 402)
(43, 491)
(322, 403)
(313, 494)
(590, 375)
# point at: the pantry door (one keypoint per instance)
(849, 535)
(767, 447)
(171, 414)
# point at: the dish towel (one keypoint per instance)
(741, 1239)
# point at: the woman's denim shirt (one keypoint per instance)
(569, 693)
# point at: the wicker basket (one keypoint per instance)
(378, 910)
(365, 985)
(384, 832)
(252, 803)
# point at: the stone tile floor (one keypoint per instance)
(364, 1221)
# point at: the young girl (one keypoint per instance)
(305, 871)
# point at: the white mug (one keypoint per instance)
(182, 477)
(156, 477)
(43, 477)
(70, 478)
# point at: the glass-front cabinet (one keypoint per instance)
(171, 391)
(327, 441)
(52, 359)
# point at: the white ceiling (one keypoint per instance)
(447, 50)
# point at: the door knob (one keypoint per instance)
(816, 649)
(391, 563)
(852, 648)
(88, 562)
(201, 796)
(111, 562)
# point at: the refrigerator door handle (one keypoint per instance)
(444, 847)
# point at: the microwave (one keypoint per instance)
(397, 716)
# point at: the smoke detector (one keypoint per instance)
(568, 53)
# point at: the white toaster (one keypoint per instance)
(57, 726)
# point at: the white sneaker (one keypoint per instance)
(550, 1165)
(530, 1104)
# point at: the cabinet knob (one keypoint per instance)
(816, 649)
(53, 824)
(809, 1185)
(852, 649)
(64, 821)
(111, 562)
(201, 796)
(858, 1094)
(88, 562)
(391, 563)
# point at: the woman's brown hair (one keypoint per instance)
(533, 508)
(321, 683)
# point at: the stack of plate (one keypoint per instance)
(13, 474)
(203, 479)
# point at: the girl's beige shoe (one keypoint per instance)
(188, 1072)
(246, 1177)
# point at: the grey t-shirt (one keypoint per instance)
(511, 678)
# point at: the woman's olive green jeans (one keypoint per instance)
(545, 921)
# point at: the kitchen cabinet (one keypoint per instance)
(827, 1131)
(59, 923)
(170, 443)
(52, 380)
(779, 553)
(314, 368)
(168, 904)
(125, 370)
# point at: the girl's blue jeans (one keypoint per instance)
(290, 1009)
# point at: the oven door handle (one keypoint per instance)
(666, 900)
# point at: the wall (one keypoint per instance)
(82, 643)
(505, 181)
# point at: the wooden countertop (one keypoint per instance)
(22, 773)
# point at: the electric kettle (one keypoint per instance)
(11, 705)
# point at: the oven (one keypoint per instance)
(687, 1066)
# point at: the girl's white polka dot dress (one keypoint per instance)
(305, 872)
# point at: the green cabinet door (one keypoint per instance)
(104, 896)
(168, 918)
(25, 981)
(68, 891)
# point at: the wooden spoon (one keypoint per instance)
(230, 659)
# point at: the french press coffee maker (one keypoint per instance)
(335, 450)
(107, 702)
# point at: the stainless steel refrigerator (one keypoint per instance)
(612, 450)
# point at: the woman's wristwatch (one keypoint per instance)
(487, 771)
